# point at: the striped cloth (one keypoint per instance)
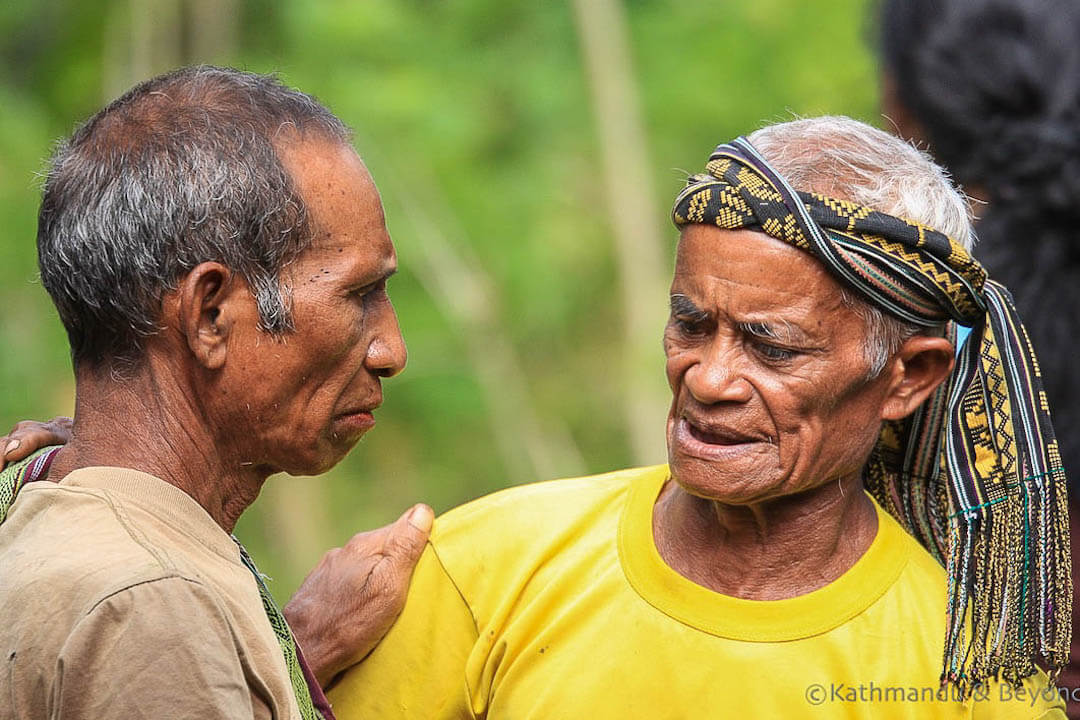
(17, 474)
(975, 474)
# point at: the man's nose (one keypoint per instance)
(386, 353)
(719, 376)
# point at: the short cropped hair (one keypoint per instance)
(180, 170)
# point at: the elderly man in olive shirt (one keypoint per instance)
(217, 253)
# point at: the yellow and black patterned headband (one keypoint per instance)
(915, 272)
(975, 474)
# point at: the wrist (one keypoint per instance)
(313, 643)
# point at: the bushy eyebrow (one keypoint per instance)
(684, 307)
(759, 329)
(782, 331)
(779, 329)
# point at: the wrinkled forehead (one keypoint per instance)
(748, 271)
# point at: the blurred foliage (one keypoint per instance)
(475, 118)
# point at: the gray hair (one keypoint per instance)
(180, 170)
(849, 160)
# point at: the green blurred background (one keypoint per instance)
(527, 153)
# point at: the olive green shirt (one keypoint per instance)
(121, 598)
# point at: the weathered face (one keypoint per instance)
(309, 395)
(766, 370)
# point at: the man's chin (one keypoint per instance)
(727, 485)
(321, 457)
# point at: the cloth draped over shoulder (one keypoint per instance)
(975, 474)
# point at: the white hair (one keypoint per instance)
(849, 160)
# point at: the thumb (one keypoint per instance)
(409, 535)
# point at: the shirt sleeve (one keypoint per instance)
(160, 649)
(419, 669)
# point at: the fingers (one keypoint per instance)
(348, 602)
(409, 535)
(402, 540)
(29, 436)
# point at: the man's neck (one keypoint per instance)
(769, 551)
(146, 422)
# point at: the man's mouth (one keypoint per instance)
(363, 407)
(359, 418)
(358, 421)
(359, 410)
(718, 434)
(712, 441)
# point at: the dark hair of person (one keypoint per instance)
(995, 88)
(180, 170)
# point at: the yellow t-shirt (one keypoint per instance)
(551, 601)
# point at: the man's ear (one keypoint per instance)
(207, 305)
(918, 367)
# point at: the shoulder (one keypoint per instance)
(913, 601)
(920, 568)
(70, 549)
(528, 535)
(62, 526)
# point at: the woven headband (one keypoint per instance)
(975, 474)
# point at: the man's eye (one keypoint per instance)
(688, 326)
(772, 352)
(369, 289)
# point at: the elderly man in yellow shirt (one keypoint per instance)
(829, 451)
